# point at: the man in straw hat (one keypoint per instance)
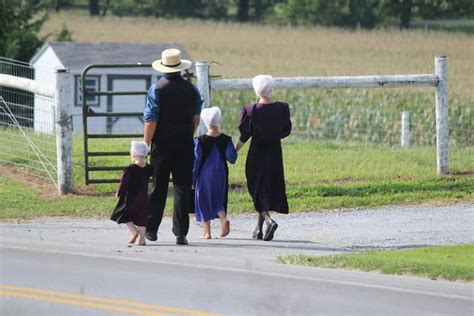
(171, 115)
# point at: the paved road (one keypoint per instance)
(92, 271)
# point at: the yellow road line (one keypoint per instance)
(80, 303)
(83, 298)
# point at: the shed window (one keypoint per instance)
(93, 85)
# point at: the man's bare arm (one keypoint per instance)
(149, 131)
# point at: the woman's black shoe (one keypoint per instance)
(270, 231)
(257, 234)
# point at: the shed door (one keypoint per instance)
(128, 103)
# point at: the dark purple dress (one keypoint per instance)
(133, 202)
(266, 124)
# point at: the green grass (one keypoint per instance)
(448, 262)
(20, 201)
(319, 175)
(314, 162)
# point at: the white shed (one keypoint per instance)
(76, 56)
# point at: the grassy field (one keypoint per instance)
(450, 262)
(343, 150)
(245, 50)
(320, 175)
(360, 115)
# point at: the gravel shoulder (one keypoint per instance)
(315, 233)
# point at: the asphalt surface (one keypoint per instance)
(233, 275)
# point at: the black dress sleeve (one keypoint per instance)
(245, 126)
(124, 182)
(286, 129)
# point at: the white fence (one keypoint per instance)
(59, 102)
(438, 80)
(47, 154)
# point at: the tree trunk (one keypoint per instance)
(243, 11)
(57, 5)
(94, 7)
(405, 14)
(106, 8)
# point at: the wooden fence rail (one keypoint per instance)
(439, 80)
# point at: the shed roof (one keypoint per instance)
(77, 55)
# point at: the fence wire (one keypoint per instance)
(360, 115)
(364, 126)
(27, 124)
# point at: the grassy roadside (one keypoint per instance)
(448, 262)
(319, 175)
(21, 201)
(309, 162)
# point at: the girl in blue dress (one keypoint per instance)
(212, 151)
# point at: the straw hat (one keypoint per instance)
(171, 61)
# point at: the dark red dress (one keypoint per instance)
(266, 124)
(133, 202)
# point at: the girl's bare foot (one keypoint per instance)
(133, 238)
(225, 229)
(205, 236)
(141, 242)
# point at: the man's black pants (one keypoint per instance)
(177, 161)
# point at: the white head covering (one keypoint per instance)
(263, 85)
(139, 148)
(211, 116)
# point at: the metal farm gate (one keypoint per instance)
(87, 113)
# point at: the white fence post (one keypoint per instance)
(405, 138)
(442, 130)
(439, 80)
(62, 102)
(202, 83)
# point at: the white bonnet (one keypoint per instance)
(263, 85)
(211, 116)
(139, 148)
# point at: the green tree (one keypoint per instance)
(20, 22)
(345, 13)
(260, 10)
(64, 35)
(94, 7)
(243, 10)
(407, 10)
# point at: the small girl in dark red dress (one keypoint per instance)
(132, 207)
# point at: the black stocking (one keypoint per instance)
(260, 220)
(266, 217)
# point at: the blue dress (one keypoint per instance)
(210, 174)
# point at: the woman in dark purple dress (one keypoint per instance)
(266, 122)
(132, 207)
